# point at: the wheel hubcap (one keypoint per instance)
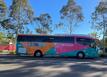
(38, 54)
(80, 55)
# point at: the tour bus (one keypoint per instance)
(79, 46)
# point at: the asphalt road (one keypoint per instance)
(12, 66)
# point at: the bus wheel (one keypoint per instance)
(38, 53)
(80, 55)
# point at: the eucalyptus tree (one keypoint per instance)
(44, 23)
(3, 9)
(21, 14)
(99, 18)
(72, 13)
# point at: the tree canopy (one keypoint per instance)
(22, 14)
(3, 9)
(99, 17)
(44, 23)
(72, 13)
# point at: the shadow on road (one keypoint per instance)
(51, 67)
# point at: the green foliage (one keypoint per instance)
(102, 7)
(1, 36)
(71, 13)
(3, 9)
(10, 36)
(7, 24)
(59, 25)
(12, 52)
(106, 42)
(99, 19)
(94, 35)
(20, 9)
(3, 39)
(21, 13)
(44, 22)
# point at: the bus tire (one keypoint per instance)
(38, 53)
(80, 55)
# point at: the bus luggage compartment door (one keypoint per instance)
(22, 51)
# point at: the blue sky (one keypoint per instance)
(88, 6)
(53, 7)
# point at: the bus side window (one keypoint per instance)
(84, 41)
(65, 39)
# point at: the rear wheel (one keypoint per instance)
(38, 53)
(80, 55)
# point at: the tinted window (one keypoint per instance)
(85, 41)
(45, 39)
(31, 38)
(62, 39)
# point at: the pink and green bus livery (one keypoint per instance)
(53, 45)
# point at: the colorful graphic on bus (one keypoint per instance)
(50, 45)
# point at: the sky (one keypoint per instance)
(53, 7)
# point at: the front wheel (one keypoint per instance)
(38, 53)
(80, 55)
